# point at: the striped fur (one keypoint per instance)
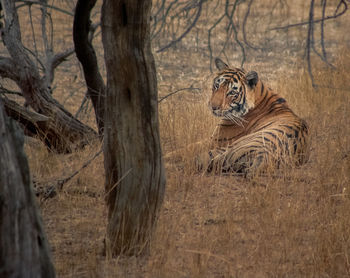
(258, 131)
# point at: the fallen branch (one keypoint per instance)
(61, 182)
(51, 191)
(30, 121)
(9, 92)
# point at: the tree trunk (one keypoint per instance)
(135, 179)
(87, 57)
(24, 250)
(62, 132)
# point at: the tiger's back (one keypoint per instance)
(257, 130)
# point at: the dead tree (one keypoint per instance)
(58, 129)
(134, 170)
(24, 250)
(87, 57)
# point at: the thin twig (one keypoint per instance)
(186, 31)
(61, 182)
(316, 20)
(32, 29)
(163, 20)
(35, 56)
(232, 25)
(244, 25)
(51, 191)
(28, 2)
(324, 4)
(323, 55)
(309, 42)
(58, 58)
(85, 99)
(209, 40)
(118, 182)
(175, 92)
(334, 88)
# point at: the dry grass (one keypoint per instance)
(295, 224)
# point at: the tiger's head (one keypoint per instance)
(233, 91)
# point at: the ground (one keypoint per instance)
(293, 224)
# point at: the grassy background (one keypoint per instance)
(295, 224)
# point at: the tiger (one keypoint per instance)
(257, 130)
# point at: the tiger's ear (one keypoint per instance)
(220, 64)
(252, 79)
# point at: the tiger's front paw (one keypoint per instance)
(202, 161)
(215, 162)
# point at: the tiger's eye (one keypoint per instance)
(232, 94)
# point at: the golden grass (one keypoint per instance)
(295, 224)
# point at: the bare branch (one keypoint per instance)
(177, 91)
(342, 2)
(61, 182)
(62, 132)
(232, 25)
(47, 47)
(49, 73)
(209, 38)
(163, 19)
(87, 57)
(309, 41)
(244, 27)
(55, 61)
(5, 91)
(32, 29)
(22, 114)
(324, 4)
(61, 57)
(29, 2)
(186, 31)
(85, 99)
(8, 69)
(35, 56)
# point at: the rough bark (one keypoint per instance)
(29, 120)
(87, 57)
(134, 169)
(24, 250)
(62, 132)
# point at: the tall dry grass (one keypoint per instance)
(293, 224)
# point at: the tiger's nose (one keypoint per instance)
(213, 106)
